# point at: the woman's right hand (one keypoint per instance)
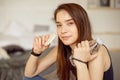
(38, 45)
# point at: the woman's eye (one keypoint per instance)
(58, 25)
(70, 23)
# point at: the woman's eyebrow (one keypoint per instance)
(68, 20)
(65, 20)
(57, 22)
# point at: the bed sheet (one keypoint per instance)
(25, 41)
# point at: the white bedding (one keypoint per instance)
(25, 41)
(17, 33)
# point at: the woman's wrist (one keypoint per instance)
(35, 53)
(78, 60)
(75, 61)
(80, 65)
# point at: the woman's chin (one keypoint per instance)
(67, 43)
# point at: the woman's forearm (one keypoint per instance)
(82, 71)
(31, 66)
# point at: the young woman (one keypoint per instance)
(74, 36)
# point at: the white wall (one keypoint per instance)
(106, 24)
(28, 12)
(31, 12)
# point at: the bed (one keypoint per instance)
(18, 42)
(15, 42)
(13, 68)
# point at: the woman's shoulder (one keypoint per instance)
(103, 52)
(103, 49)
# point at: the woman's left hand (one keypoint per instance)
(82, 52)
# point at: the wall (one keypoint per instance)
(105, 22)
(28, 12)
(106, 25)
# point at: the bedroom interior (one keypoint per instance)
(22, 20)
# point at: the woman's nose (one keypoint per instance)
(63, 30)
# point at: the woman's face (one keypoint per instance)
(66, 28)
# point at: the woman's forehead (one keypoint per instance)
(63, 15)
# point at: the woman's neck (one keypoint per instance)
(72, 46)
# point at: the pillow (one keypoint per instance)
(15, 29)
(4, 54)
(14, 49)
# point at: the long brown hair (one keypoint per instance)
(81, 20)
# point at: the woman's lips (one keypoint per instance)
(65, 37)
